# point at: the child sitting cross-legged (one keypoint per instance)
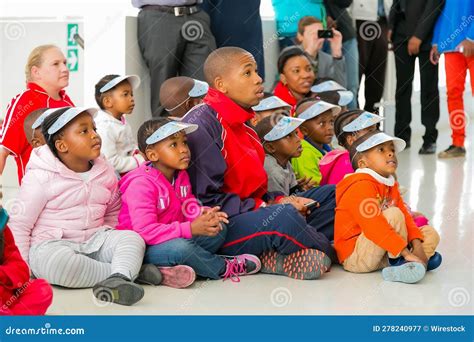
(373, 228)
(182, 237)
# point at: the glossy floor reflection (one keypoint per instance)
(441, 189)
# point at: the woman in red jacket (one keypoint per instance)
(46, 75)
(19, 295)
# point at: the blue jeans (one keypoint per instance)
(198, 253)
(351, 55)
(322, 217)
(282, 228)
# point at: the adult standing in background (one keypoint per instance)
(337, 12)
(238, 23)
(457, 16)
(289, 12)
(372, 28)
(46, 75)
(411, 24)
(175, 39)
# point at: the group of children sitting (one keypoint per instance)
(111, 212)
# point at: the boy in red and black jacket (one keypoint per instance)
(227, 170)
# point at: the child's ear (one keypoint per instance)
(254, 121)
(61, 146)
(107, 101)
(303, 130)
(350, 139)
(269, 147)
(152, 155)
(362, 163)
(283, 79)
(35, 142)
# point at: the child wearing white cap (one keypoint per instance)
(348, 127)
(373, 228)
(32, 126)
(182, 237)
(72, 198)
(269, 105)
(114, 96)
(330, 91)
(280, 140)
(318, 131)
(179, 94)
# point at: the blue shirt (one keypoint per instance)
(454, 24)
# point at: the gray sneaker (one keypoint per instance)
(149, 275)
(118, 289)
(452, 152)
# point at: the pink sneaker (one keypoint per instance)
(179, 277)
(239, 265)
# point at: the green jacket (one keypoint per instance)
(307, 165)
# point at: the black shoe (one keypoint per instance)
(149, 275)
(429, 148)
(118, 289)
(452, 152)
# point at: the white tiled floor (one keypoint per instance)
(443, 190)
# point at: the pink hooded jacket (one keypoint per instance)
(334, 166)
(55, 203)
(156, 209)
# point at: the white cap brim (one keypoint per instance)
(39, 120)
(317, 109)
(284, 126)
(169, 129)
(199, 89)
(69, 115)
(381, 138)
(364, 120)
(272, 102)
(133, 79)
(327, 86)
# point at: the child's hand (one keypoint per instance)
(418, 251)
(410, 257)
(298, 203)
(208, 224)
(306, 183)
(223, 217)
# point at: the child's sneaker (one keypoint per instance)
(240, 265)
(410, 272)
(118, 289)
(434, 262)
(149, 275)
(306, 264)
(179, 277)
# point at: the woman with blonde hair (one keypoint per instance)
(46, 77)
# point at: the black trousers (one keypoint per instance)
(405, 65)
(372, 60)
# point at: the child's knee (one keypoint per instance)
(394, 215)
(430, 236)
(131, 237)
